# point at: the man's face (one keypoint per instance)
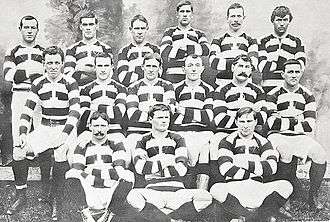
(88, 27)
(139, 31)
(103, 68)
(292, 74)
(29, 30)
(184, 15)
(161, 121)
(99, 128)
(193, 68)
(53, 65)
(281, 24)
(235, 19)
(242, 70)
(246, 124)
(151, 69)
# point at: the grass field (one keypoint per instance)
(36, 211)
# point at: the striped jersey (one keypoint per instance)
(80, 55)
(176, 45)
(198, 107)
(59, 101)
(108, 97)
(130, 59)
(225, 49)
(22, 65)
(273, 53)
(241, 159)
(96, 162)
(230, 98)
(284, 107)
(141, 96)
(162, 161)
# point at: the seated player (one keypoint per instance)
(161, 157)
(58, 96)
(193, 116)
(145, 93)
(105, 95)
(292, 114)
(244, 159)
(230, 98)
(129, 69)
(98, 175)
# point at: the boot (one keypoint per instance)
(19, 202)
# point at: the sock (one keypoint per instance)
(45, 162)
(152, 213)
(77, 193)
(59, 170)
(316, 174)
(234, 207)
(186, 211)
(20, 169)
(119, 196)
(271, 204)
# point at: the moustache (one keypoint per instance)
(99, 134)
(243, 74)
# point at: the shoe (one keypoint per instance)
(284, 213)
(86, 215)
(54, 210)
(17, 205)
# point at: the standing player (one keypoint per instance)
(58, 96)
(130, 57)
(193, 116)
(233, 43)
(277, 48)
(98, 175)
(143, 94)
(292, 111)
(22, 65)
(161, 158)
(230, 98)
(244, 159)
(181, 41)
(79, 58)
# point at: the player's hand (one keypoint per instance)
(62, 139)
(23, 140)
(179, 109)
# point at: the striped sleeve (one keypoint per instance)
(70, 60)
(119, 107)
(133, 112)
(203, 46)
(9, 66)
(143, 165)
(217, 60)
(260, 103)
(253, 51)
(122, 67)
(225, 161)
(119, 155)
(307, 123)
(27, 114)
(74, 106)
(168, 50)
(221, 118)
(300, 54)
(169, 95)
(265, 64)
(85, 99)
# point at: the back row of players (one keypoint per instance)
(198, 110)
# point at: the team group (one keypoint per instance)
(151, 141)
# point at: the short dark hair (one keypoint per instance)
(139, 17)
(291, 62)
(245, 110)
(245, 58)
(88, 15)
(233, 6)
(102, 55)
(97, 114)
(281, 11)
(152, 56)
(158, 107)
(193, 56)
(182, 3)
(27, 17)
(53, 50)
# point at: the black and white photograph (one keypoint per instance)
(164, 110)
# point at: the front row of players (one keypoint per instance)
(162, 157)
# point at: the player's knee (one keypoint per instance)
(136, 199)
(218, 192)
(202, 199)
(318, 154)
(18, 154)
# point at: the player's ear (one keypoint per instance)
(282, 74)
(232, 67)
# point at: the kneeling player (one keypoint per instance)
(244, 159)
(98, 173)
(161, 157)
